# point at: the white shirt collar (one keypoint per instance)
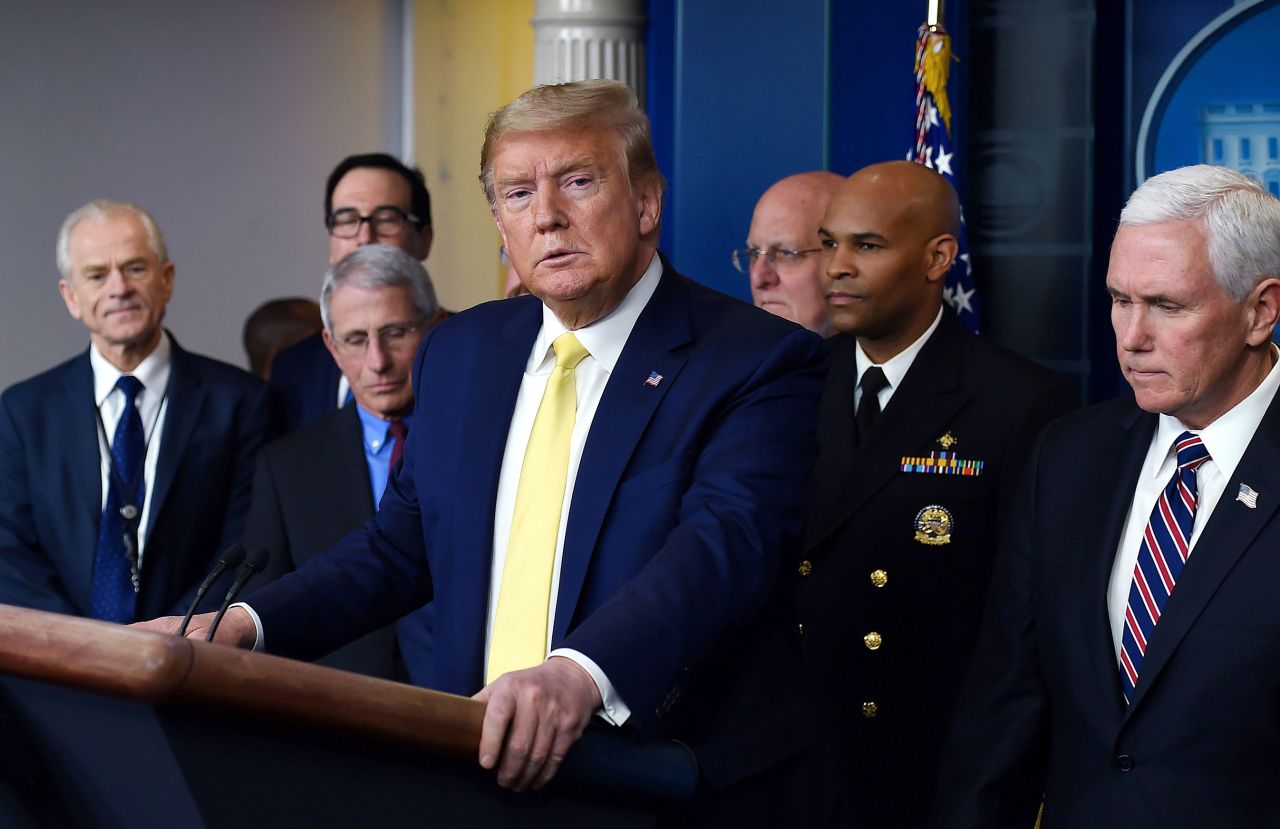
(152, 372)
(1228, 437)
(897, 366)
(605, 338)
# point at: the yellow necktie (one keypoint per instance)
(519, 636)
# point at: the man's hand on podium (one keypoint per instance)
(531, 719)
(237, 628)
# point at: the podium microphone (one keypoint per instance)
(252, 566)
(230, 559)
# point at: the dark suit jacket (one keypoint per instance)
(51, 487)
(1044, 711)
(896, 700)
(303, 385)
(688, 490)
(310, 489)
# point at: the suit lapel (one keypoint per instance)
(929, 395)
(1231, 530)
(183, 410)
(490, 399)
(1120, 455)
(343, 463)
(835, 422)
(83, 458)
(624, 411)
(347, 457)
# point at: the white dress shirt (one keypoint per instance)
(604, 340)
(895, 368)
(1226, 439)
(152, 404)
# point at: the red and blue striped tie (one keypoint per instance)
(1165, 546)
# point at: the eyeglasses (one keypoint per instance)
(391, 338)
(384, 222)
(778, 258)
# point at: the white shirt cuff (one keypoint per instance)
(257, 624)
(613, 710)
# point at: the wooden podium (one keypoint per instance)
(139, 729)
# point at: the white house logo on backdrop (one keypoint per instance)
(1245, 137)
(1216, 101)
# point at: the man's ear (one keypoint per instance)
(425, 237)
(502, 231)
(649, 201)
(166, 273)
(1262, 312)
(69, 297)
(940, 254)
(328, 343)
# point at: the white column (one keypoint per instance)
(578, 40)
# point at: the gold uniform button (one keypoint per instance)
(806, 567)
(872, 640)
(879, 578)
(870, 709)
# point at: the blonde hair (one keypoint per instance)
(597, 104)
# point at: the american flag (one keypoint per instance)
(933, 149)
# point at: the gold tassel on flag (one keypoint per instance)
(935, 69)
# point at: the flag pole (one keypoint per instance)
(935, 14)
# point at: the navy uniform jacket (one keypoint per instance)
(686, 494)
(51, 485)
(1044, 713)
(887, 595)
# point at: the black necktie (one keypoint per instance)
(873, 380)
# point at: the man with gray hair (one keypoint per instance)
(125, 470)
(1127, 668)
(315, 485)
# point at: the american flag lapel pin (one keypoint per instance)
(1248, 496)
(654, 379)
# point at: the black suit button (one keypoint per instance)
(1125, 763)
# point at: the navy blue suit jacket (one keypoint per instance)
(51, 486)
(1044, 713)
(303, 385)
(687, 493)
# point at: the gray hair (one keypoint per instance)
(104, 209)
(379, 266)
(1240, 218)
(595, 104)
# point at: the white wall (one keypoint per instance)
(222, 119)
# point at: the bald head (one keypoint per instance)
(925, 197)
(889, 235)
(786, 219)
(803, 191)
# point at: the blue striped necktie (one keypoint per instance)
(1164, 551)
(113, 597)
